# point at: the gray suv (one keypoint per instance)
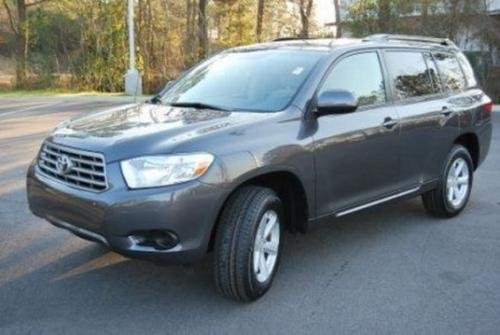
(261, 139)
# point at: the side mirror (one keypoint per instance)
(336, 102)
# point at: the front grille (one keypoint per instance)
(77, 168)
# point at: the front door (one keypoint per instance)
(356, 154)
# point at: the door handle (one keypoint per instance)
(389, 122)
(446, 111)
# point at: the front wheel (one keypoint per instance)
(248, 243)
(451, 195)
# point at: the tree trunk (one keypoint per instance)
(305, 8)
(453, 20)
(424, 18)
(384, 15)
(202, 29)
(188, 38)
(19, 25)
(338, 19)
(260, 17)
(21, 44)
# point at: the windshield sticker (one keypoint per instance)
(298, 70)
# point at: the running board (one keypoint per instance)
(376, 202)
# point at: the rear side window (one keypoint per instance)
(409, 74)
(452, 76)
(468, 71)
(361, 75)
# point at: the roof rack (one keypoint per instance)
(281, 39)
(410, 38)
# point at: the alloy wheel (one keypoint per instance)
(266, 246)
(457, 182)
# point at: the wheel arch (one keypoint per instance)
(471, 142)
(288, 186)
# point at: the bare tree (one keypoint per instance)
(384, 15)
(190, 37)
(453, 22)
(19, 25)
(202, 29)
(338, 19)
(305, 9)
(260, 17)
(425, 15)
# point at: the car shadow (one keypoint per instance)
(78, 274)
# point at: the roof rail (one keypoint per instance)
(410, 38)
(281, 39)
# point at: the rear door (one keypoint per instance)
(356, 154)
(428, 123)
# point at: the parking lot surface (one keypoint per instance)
(388, 270)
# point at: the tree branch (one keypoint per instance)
(11, 17)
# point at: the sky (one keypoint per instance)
(325, 12)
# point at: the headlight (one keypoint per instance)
(153, 171)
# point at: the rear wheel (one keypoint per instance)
(451, 195)
(248, 243)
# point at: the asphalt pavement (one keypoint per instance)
(388, 270)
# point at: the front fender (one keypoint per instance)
(232, 171)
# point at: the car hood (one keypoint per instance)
(142, 129)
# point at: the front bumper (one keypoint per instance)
(113, 217)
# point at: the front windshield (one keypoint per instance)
(258, 80)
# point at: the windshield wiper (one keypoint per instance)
(154, 100)
(199, 105)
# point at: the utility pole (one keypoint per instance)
(133, 82)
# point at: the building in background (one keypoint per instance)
(473, 25)
(467, 39)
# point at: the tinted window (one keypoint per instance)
(258, 80)
(359, 74)
(409, 74)
(469, 73)
(451, 75)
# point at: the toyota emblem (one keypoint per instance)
(64, 164)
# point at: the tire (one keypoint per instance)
(239, 233)
(437, 201)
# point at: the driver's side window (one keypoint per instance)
(361, 75)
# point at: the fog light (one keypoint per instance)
(157, 239)
(165, 240)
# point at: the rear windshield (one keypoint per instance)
(258, 80)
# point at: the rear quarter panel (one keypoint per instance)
(476, 120)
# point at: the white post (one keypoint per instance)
(133, 83)
(131, 33)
